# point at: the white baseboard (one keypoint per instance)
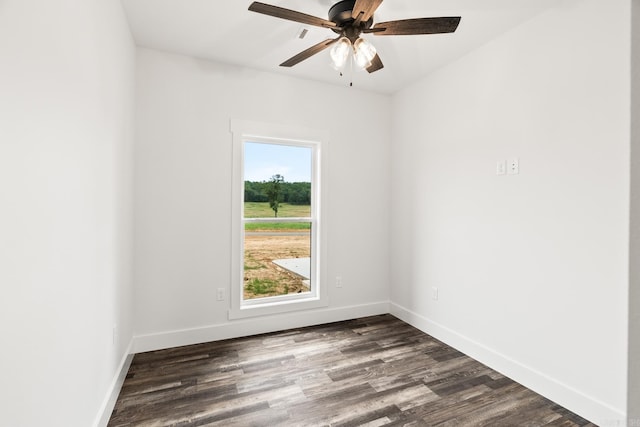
(253, 326)
(104, 414)
(570, 398)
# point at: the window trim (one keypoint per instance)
(290, 135)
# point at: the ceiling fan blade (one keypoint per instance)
(366, 7)
(305, 54)
(291, 15)
(416, 26)
(376, 64)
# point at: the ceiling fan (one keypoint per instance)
(349, 19)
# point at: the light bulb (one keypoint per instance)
(364, 52)
(340, 53)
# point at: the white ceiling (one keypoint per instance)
(226, 31)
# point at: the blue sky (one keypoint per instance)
(262, 161)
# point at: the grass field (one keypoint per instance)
(277, 226)
(262, 210)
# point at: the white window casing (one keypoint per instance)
(291, 135)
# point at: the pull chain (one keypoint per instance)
(351, 69)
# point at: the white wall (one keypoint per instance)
(532, 269)
(183, 193)
(66, 131)
(633, 399)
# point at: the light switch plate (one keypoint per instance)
(501, 167)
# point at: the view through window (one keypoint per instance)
(279, 221)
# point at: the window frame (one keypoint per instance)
(267, 133)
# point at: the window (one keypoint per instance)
(277, 238)
(279, 225)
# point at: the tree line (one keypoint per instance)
(277, 190)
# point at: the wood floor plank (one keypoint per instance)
(374, 371)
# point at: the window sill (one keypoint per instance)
(277, 307)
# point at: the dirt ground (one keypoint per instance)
(262, 278)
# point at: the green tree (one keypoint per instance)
(274, 192)
(253, 192)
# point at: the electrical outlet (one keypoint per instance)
(513, 167)
(114, 334)
(220, 294)
(338, 281)
(434, 293)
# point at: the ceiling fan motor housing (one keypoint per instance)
(341, 14)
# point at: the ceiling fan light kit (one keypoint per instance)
(362, 51)
(349, 19)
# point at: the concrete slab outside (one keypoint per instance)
(299, 266)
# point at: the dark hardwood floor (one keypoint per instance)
(375, 371)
